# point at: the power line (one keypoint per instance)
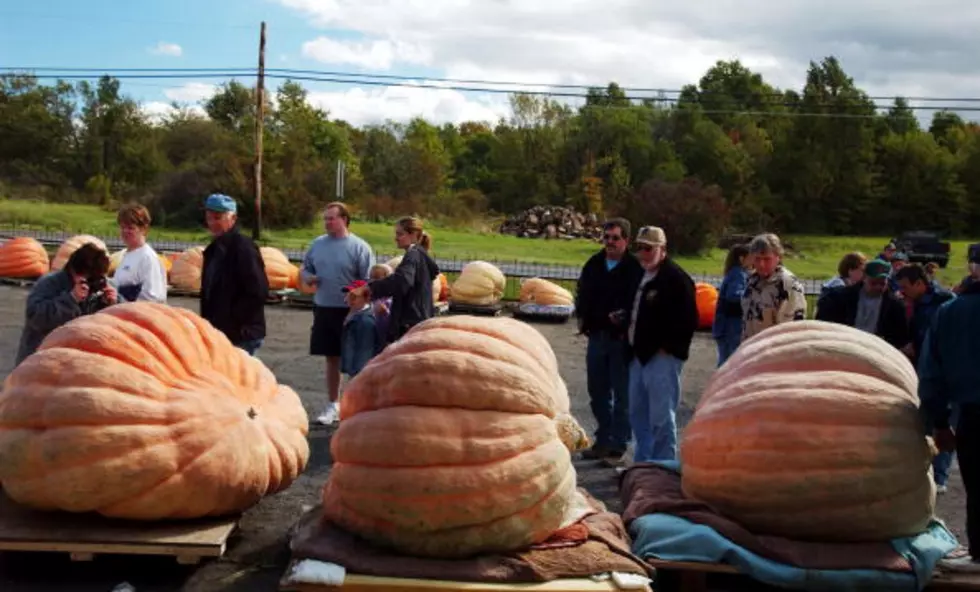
(222, 74)
(332, 74)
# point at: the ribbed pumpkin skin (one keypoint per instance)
(278, 270)
(23, 258)
(706, 296)
(479, 283)
(70, 246)
(541, 291)
(811, 431)
(186, 271)
(449, 443)
(146, 412)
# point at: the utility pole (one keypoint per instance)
(341, 174)
(259, 129)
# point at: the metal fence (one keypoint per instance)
(515, 271)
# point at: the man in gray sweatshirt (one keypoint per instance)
(333, 261)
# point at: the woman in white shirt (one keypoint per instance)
(140, 275)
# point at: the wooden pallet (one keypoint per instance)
(359, 583)
(83, 536)
(493, 310)
(694, 576)
(541, 318)
(18, 282)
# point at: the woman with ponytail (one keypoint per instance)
(410, 285)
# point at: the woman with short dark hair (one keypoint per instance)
(140, 275)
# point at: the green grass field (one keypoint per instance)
(815, 256)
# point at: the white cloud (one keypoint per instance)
(889, 47)
(192, 92)
(379, 54)
(361, 106)
(167, 49)
(157, 111)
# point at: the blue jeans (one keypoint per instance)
(944, 460)
(607, 376)
(655, 391)
(726, 347)
(251, 346)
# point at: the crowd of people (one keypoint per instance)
(360, 306)
(639, 314)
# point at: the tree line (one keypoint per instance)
(730, 153)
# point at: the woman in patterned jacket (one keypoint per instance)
(772, 294)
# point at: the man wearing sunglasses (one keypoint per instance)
(603, 300)
(662, 325)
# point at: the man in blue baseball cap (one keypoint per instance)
(234, 286)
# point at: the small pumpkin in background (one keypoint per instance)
(186, 271)
(455, 441)
(278, 270)
(440, 289)
(541, 291)
(706, 296)
(479, 283)
(23, 258)
(70, 246)
(147, 412)
(811, 431)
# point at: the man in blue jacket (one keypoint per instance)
(949, 374)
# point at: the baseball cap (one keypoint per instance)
(353, 286)
(651, 235)
(890, 247)
(877, 269)
(218, 202)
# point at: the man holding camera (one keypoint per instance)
(79, 289)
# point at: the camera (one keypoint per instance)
(96, 286)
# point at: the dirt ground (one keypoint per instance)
(258, 553)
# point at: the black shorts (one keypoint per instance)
(328, 328)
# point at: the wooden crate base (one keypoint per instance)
(471, 309)
(85, 536)
(18, 282)
(359, 583)
(541, 318)
(694, 576)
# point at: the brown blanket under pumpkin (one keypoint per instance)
(651, 489)
(606, 549)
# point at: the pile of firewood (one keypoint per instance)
(553, 222)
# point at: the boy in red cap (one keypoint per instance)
(360, 341)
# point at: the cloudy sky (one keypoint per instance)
(890, 47)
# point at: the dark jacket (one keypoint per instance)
(601, 291)
(234, 287)
(49, 306)
(840, 305)
(949, 365)
(410, 290)
(667, 316)
(923, 310)
(727, 324)
(360, 342)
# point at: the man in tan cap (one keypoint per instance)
(665, 316)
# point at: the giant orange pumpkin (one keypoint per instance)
(147, 412)
(278, 270)
(451, 441)
(23, 258)
(70, 246)
(707, 299)
(186, 271)
(811, 431)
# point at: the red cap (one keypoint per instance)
(354, 285)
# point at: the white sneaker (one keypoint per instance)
(330, 415)
(940, 489)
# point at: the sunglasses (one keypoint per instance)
(611, 238)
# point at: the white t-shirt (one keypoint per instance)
(140, 276)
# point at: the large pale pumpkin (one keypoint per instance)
(145, 411)
(811, 431)
(540, 291)
(278, 270)
(186, 271)
(706, 296)
(70, 246)
(23, 258)
(450, 442)
(479, 283)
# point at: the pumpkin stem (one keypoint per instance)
(251, 413)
